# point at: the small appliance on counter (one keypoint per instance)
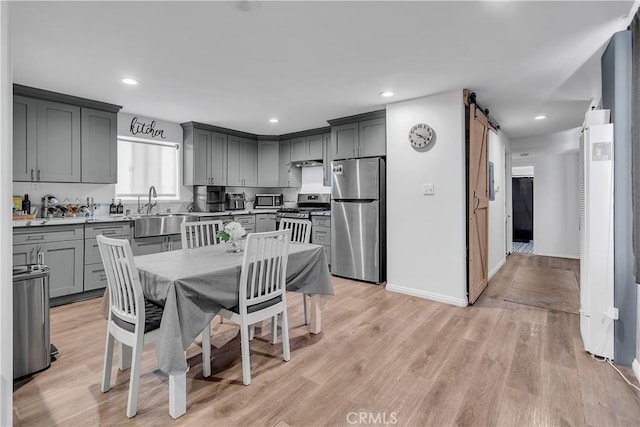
(208, 198)
(268, 201)
(236, 201)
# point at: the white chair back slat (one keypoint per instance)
(202, 233)
(300, 229)
(125, 291)
(264, 267)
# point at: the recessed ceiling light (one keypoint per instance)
(273, 120)
(386, 93)
(129, 81)
(540, 117)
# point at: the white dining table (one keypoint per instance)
(194, 284)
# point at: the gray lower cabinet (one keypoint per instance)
(153, 245)
(94, 274)
(321, 233)
(265, 222)
(268, 165)
(248, 222)
(99, 146)
(61, 248)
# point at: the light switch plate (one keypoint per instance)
(428, 189)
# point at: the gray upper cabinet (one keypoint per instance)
(242, 162)
(62, 138)
(363, 135)
(289, 176)
(344, 139)
(58, 146)
(306, 148)
(204, 157)
(99, 146)
(268, 164)
(24, 139)
(372, 138)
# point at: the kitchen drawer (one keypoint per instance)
(119, 229)
(322, 221)
(321, 235)
(94, 277)
(51, 234)
(245, 220)
(250, 228)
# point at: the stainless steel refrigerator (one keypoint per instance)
(358, 220)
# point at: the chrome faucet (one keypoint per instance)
(152, 193)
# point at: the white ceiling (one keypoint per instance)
(306, 62)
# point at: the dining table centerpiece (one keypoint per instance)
(232, 232)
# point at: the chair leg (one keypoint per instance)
(252, 332)
(286, 351)
(132, 402)
(246, 355)
(304, 306)
(125, 356)
(274, 329)
(108, 360)
(206, 351)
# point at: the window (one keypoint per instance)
(143, 163)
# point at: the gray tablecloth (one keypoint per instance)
(194, 284)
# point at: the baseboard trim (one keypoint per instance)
(557, 255)
(636, 368)
(497, 268)
(459, 302)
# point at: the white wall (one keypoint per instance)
(6, 231)
(555, 204)
(312, 180)
(497, 207)
(426, 234)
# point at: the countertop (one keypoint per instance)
(40, 222)
(321, 213)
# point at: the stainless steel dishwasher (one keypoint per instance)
(31, 336)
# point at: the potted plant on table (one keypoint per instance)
(232, 232)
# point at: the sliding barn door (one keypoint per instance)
(478, 209)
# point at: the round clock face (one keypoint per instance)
(421, 135)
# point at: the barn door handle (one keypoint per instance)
(477, 203)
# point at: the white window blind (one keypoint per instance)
(142, 164)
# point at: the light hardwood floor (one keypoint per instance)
(395, 357)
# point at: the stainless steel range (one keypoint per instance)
(307, 203)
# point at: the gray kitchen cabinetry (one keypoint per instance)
(205, 156)
(56, 140)
(59, 247)
(156, 244)
(99, 146)
(94, 274)
(289, 176)
(306, 148)
(321, 233)
(265, 222)
(242, 162)
(326, 159)
(268, 164)
(248, 222)
(359, 136)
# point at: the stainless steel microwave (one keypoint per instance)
(268, 201)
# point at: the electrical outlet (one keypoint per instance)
(428, 189)
(35, 187)
(612, 313)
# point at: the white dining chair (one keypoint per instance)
(200, 233)
(133, 320)
(300, 233)
(196, 235)
(263, 293)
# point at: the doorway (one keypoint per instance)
(522, 187)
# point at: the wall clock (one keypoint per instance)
(421, 135)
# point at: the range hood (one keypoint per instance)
(306, 163)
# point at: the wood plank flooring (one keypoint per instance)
(392, 357)
(543, 287)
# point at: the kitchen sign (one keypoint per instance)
(140, 127)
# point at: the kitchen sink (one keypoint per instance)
(160, 224)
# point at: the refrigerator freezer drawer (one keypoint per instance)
(355, 240)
